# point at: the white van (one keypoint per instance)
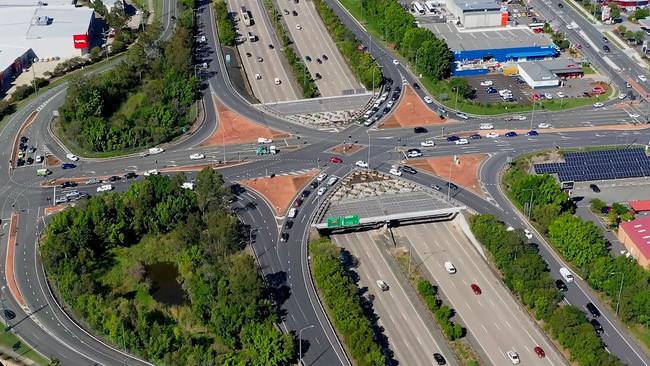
(264, 140)
(292, 213)
(566, 274)
(450, 267)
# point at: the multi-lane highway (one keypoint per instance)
(317, 49)
(261, 54)
(49, 329)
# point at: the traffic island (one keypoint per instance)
(346, 149)
(233, 129)
(462, 171)
(9, 261)
(411, 112)
(279, 191)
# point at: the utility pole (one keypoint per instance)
(620, 289)
(300, 343)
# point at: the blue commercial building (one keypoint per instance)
(477, 52)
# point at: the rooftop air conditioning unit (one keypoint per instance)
(42, 20)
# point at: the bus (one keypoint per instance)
(246, 16)
(418, 7)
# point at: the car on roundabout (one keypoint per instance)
(395, 172)
(427, 99)
(72, 157)
(336, 160)
(543, 125)
(68, 166)
(511, 134)
(321, 191)
(598, 105)
(321, 177)
(361, 164)
(492, 135)
(151, 172)
(197, 156)
(428, 143)
(462, 142)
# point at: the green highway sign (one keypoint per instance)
(350, 220)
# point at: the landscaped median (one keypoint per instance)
(581, 243)
(341, 296)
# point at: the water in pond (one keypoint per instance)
(165, 289)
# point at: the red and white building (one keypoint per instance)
(635, 235)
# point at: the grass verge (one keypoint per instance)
(10, 341)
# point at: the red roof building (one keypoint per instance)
(635, 235)
(640, 205)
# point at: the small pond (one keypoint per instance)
(165, 288)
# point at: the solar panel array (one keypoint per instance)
(599, 165)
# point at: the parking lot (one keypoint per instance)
(499, 82)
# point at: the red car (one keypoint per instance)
(540, 352)
(335, 160)
(476, 289)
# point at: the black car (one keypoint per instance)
(305, 193)
(606, 49)
(288, 224)
(560, 5)
(130, 175)
(395, 96)
(68, 184)
(307, 58)
(22, 147)
(271, 46)
(440, 360)
(294, 13)
(451, 185)
(387, 88)
(318, 61)
(318, 76)
(420, 130)
(325, 57)
(23, 139)
(597, 327)
(475, 136)
(605, 39)
(248, 54)
(173, 17)
(313, 185)
(416, 86)
(452, 138)
(284, 237)
(385, 110)
(594, 188)
(113, 178)
(20, 162)
(560, 285)
(30, 161)
(593, 310)
(408, 169)
(398, 89)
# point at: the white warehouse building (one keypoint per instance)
(477, 13)
(49, 30)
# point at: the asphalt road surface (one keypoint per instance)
(494, 318)
(314, 40)
(271, 65)
(406, 323)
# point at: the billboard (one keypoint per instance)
(80, 41)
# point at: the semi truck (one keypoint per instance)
(263, 150)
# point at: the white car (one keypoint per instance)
(382, 285)
(151, 172)
(155, 150)
(548, 95)
(39, 159)
(427, 99)
(427, 143)
(513, 356)
(560, 95)
(486, 126)
(72, 157)
(395, 62)
(197, 156)
(203, 39)
(62, 199)
(528, 234)
(322, 191)
(643, 78)
(413, 154)
(462, 142)
(622, 96)
(321, 177)
(104, 188)
(598, 105)
(205, 65)
(298, 27)
(361, 164)
(519, 118)
(492, 135)
(390, 104)
(487, 83)
(258, 76)
(634, 115)
(396, 172)
(332, 181)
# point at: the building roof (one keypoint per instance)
(477, 5)
(644, 23)
(6, 3)
(639, 232)
(9, 54)
(19, 24)
(640, 205)
(487, 38)
(548, 69)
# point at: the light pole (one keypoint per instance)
(195, 66)
(300, 343)
(530, 201)
(368, 133)
(532, 117)
(620, 289)
(34, 61)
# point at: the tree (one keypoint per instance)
(639, 36)
(597, 205)
(641, 13)
(615, 12)
(461, 86)
(266, 346)
(581, 242)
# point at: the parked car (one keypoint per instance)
(451, 185)
(594, 188)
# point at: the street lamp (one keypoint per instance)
(34, 61)
(250, 235)
(195, 66)
(368, 133)
(530, 201)
(300, 343)
(620, 289)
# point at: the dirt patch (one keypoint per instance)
(9, 260)
(236, 129)
(346, 149)
(412, 111)
(54, 209)
(279, 191)
(52, 160)
(464, 174)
